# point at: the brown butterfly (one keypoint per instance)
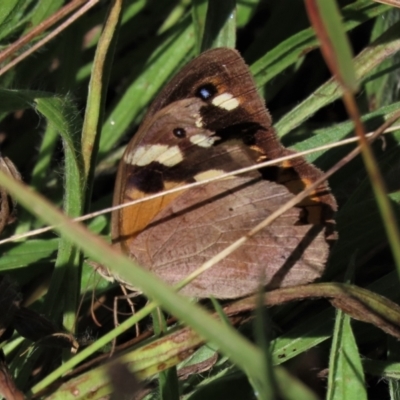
(207, 121)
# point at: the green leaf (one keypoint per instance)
(346, 375)
(220, 29)
(23, 254)
(334, 43)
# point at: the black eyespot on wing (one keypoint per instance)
(206, 92)
(180, 133)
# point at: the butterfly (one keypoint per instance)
(209, 120)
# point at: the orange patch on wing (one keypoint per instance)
(134, 219)
(260, 150)
(312, 204)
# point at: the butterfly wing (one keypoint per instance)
(208, 120)
(205, 220)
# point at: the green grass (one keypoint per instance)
(67, 111)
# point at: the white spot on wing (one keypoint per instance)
(203, 140)
(171, 157)
(226, 101)
(134, 158)
(211, 173)
(145, 155)
(199, 122)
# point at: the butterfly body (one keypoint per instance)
(207, 121)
